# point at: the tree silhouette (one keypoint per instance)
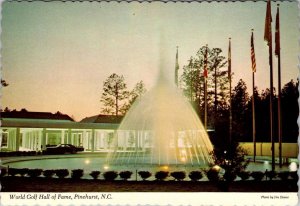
(192, 82)
(7, 109)
(138, 90)
(4, 83)
(290, 111)
(114, 95)
(239, 102)
(258, 109)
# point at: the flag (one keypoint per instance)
(229, 59)
(176, 68)
(253, 54)
(205, 63)
(277, 35)
(268, 20)
(176, 63)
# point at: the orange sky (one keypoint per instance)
(57, 55)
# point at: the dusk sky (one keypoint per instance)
(56, 55)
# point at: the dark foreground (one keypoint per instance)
(27, 184)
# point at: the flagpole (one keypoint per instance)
(268, 38)
(205, 103)
(271, 107)
(215, 101)
(253, 118)
(277, 53)
(253, 98)
(229, 75)
(176, 67)
(279, 113)
(191, 80)
(205, 89)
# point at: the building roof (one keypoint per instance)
(100, 118)
(24, 114)
(26, 119)
(58, 124)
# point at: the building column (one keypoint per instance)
(104, 139)
(18, 134)
(93, 140)
(38, 140)
(69, 136)
(33, 141)
(24, 140)
(85, 140)
(43, 139)
(62, 138)
(46, 138)
(75, 138)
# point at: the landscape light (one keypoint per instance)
(217, 167)
(166, 168)
(293, 167)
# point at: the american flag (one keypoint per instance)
(253, 54)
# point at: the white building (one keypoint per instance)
(32, 131)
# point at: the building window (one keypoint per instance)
(4, 140)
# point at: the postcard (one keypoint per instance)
(149, 102)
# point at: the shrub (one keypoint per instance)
(244, 175)
(23, 171)
(229, 176)
(213, 175)
(257, 175)
(48, 173)
(294, 175)
(144, 174)
(195, 175)
(161, 175)
(77, 174)
(62, 173)
(18, 153)
(110, 175)
(271, 174)
(230, 158)
(125, 175)
(95, 174)
(179, 175)
(32, 153)
(13, 171)
(284, 175)
(35, 172)
(3, 172)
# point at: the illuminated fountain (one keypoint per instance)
(161, 128)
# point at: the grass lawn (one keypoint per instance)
(40, 184)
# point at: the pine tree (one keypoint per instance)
(192, 82)
(138, 91)
(114, 95)
(239, 101)
(290, 111)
